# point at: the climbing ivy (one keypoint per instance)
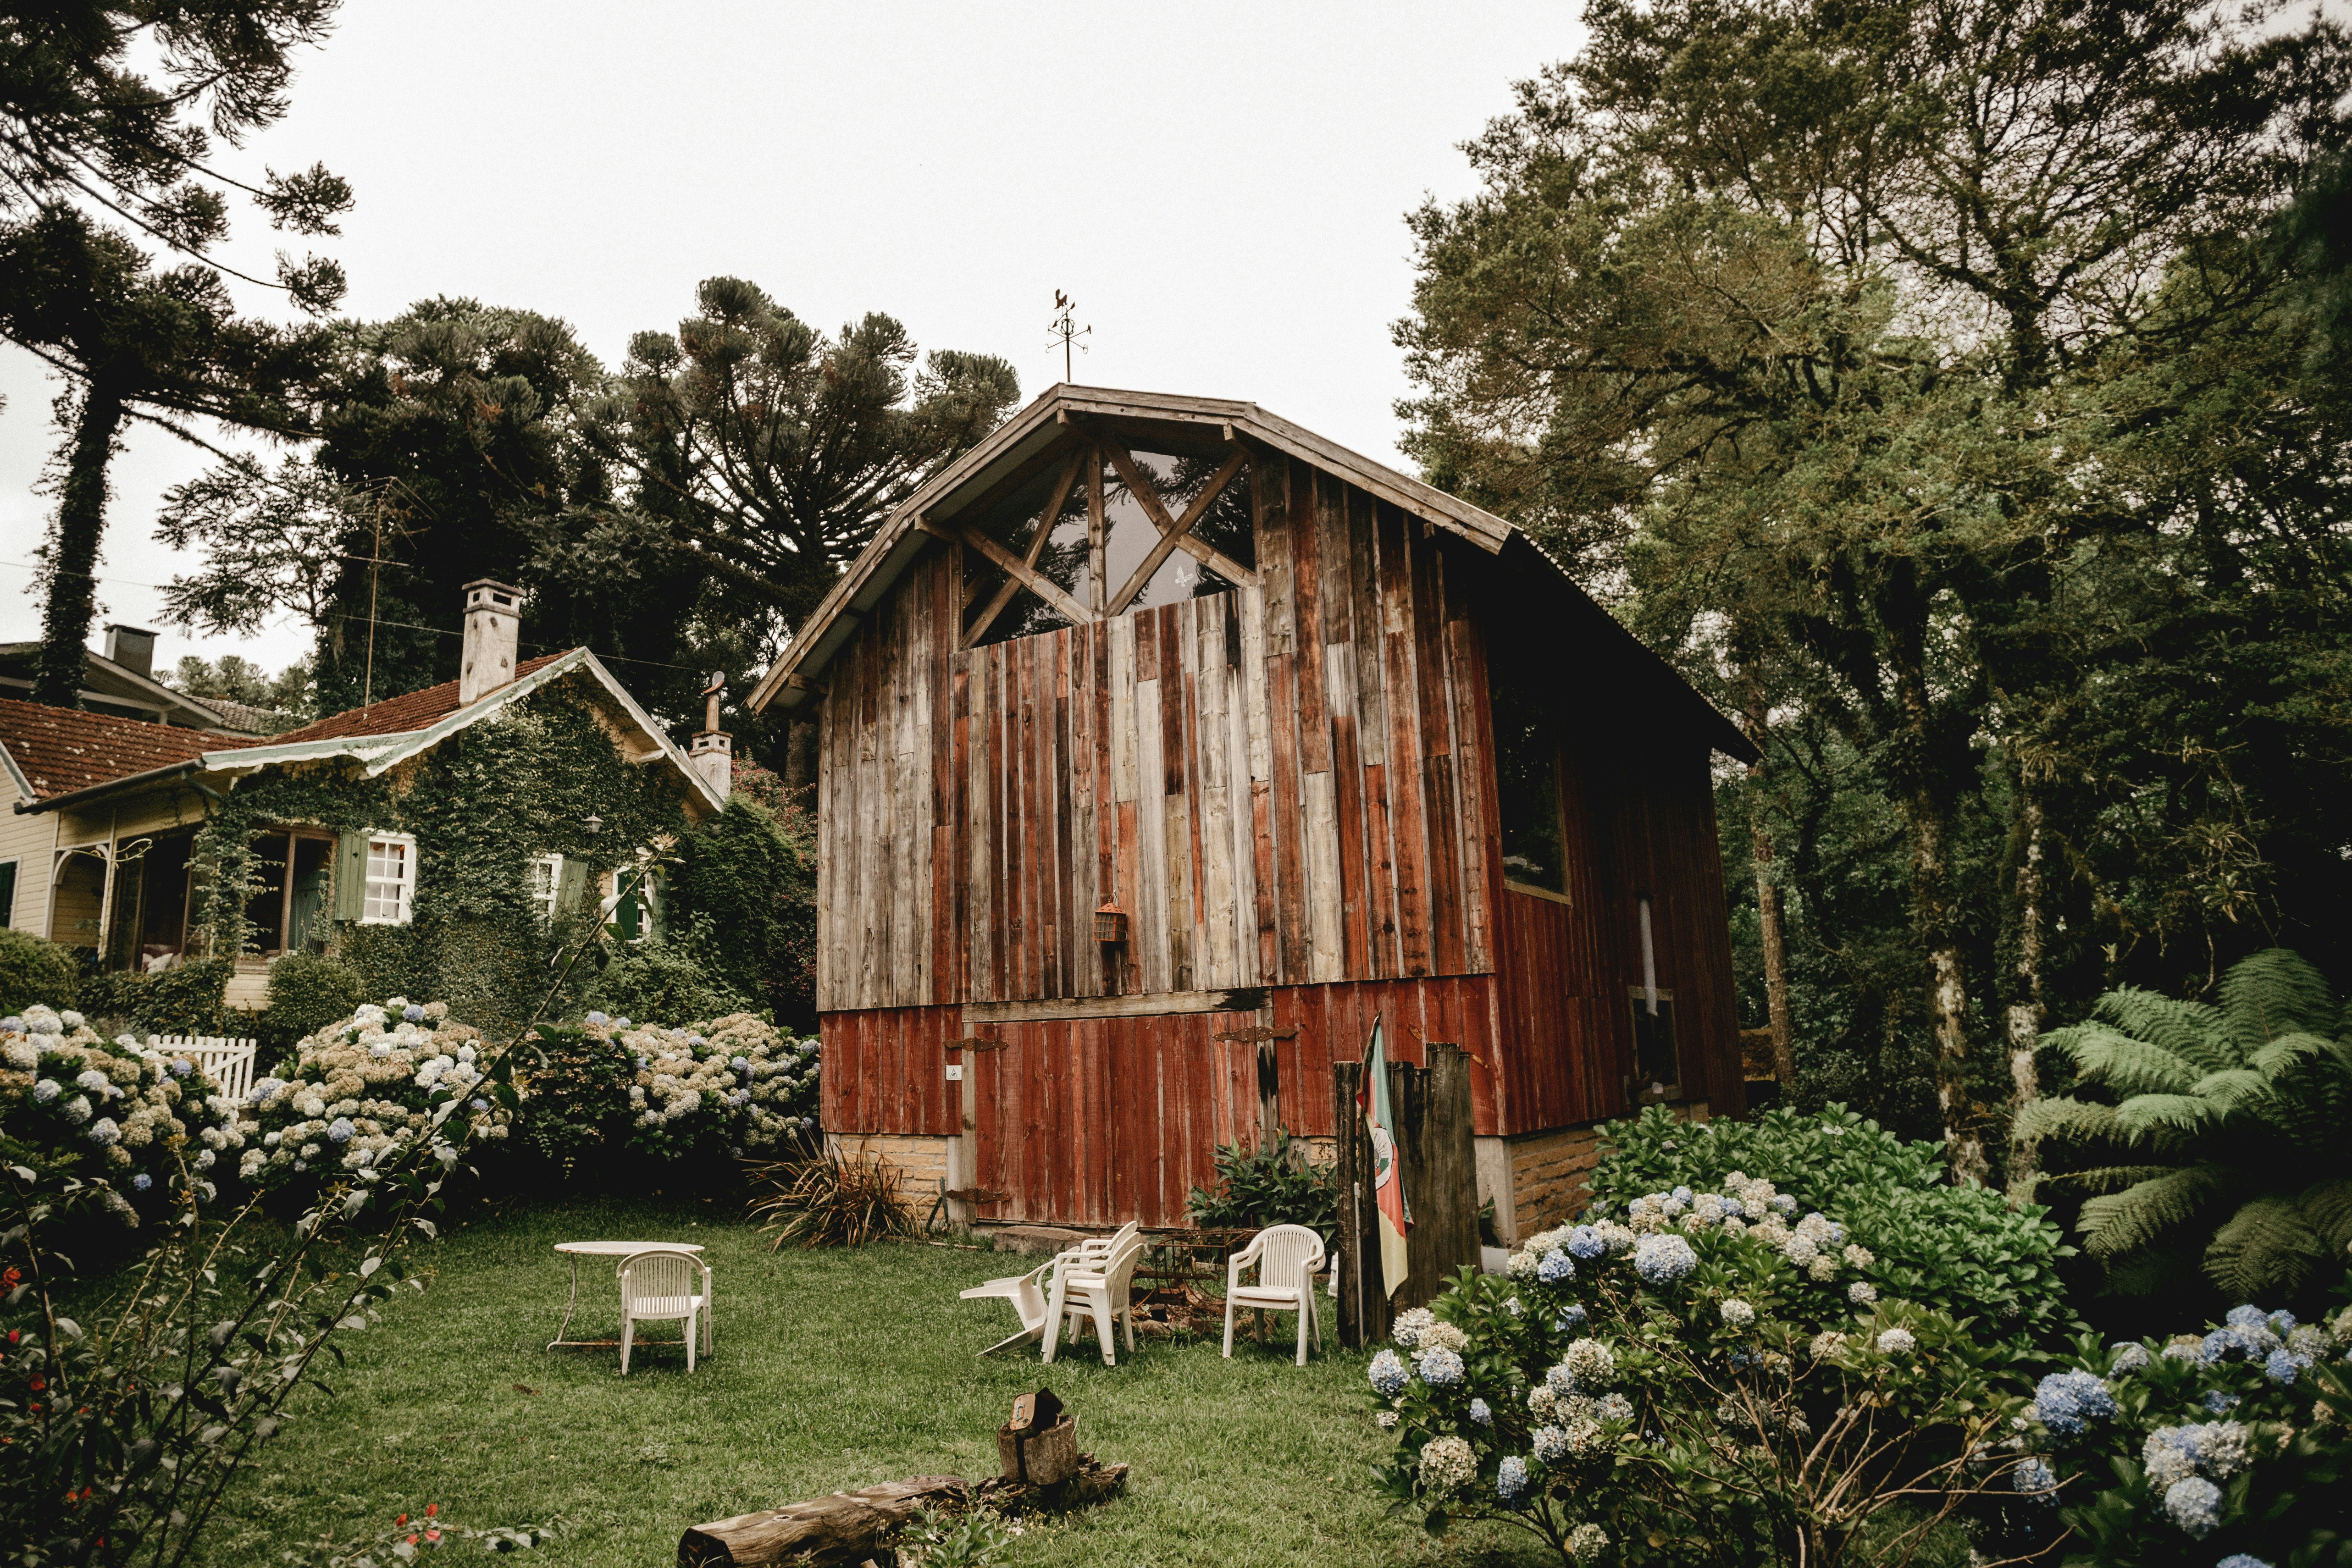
(482, 805)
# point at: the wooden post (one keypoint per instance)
(963, 1151)
(1437, 1149)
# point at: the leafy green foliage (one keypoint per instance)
(1694, 1388)
(406, 1538)
(937, 1539)
(832, 1200)
(308, 991)
(751, 872)
(35, 970)
(666, 980)
(1276, 1186)
(2209, 1138)
(187, 998)
(1960, 1249)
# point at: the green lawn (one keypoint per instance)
(834, 1370)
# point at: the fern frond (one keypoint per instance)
(2129, 1220)
(2327, 1207)
(2275, 991)
(2190, 1031)
(2129, 1066)
(2291, 1051)
(2156, 1118)
(2158, 1271)
(2063, 1119)
(2267, 1250)
(2104, 1178)
(2241, 1091)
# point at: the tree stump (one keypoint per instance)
(843, 1529)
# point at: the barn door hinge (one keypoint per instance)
(1259, 1036)
(973, 1042)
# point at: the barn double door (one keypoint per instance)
(1101, 1121)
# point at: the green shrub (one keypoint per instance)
(749, 872)
(1963, 1250)
(2209, 1140)
(831, 1201)
(1275, 1187)
(1695, 1388)
(33, 970)
(658, 979)
(190, 998)
(308, 991)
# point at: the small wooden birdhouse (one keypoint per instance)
(1110, 924)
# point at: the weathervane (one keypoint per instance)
(1065, 330)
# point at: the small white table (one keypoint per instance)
(576, 1250)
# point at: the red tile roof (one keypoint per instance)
(393, 716)
(61, 751)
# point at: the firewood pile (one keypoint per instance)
(1043, 1473)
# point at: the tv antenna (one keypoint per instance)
(1065, 330)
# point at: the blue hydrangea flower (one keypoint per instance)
(2130, 1357)
(621, 1023)
(2240, 1560)
(1662, 1257)
(740, 1063)
(1555, 1267)
(2195, 1506)
(412, 1013)
(1571, 1316)
(1439, 1367)
(2283, 1322)
(1584, 1244)
(11, 1024)
(2216, 1401)
(141, 1182)
(480, 1104)
(1681, 1195)
(1786, 1202)
(2283, 1367)
(1388, 1375)
(104, 1131)
(2247, 1316)
(182, 1067)
(47, 1090)
(1511, 1480)
(1482, 1412)
(2067, 1400)
(2037, 1481)
(2222, 1344)
(597, 1017)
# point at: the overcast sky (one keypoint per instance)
(1221, 188)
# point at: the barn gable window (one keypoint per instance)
(1096, 529)
(1527, 791)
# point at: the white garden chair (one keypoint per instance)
(1287, 1259)
(1031, 1293)
(1095, 1285)
(665, 1287)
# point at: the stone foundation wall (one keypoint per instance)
(921, 1162)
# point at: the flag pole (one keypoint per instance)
(1356, 1244)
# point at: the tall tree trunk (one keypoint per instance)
(1947, 991)
(800, 759)
(2026, 1010)
(1768, 905)
(73, 560)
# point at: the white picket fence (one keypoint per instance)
(229, 1062)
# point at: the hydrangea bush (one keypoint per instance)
(2225, 1449)
(733, 1087)
(1697, 1377)
(147, 1123)
(363, 1090)
(1963, 1249)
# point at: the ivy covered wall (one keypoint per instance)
(482, 805)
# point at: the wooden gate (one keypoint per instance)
(1101, 1121)
(1435, 1149)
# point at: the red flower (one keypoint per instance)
(432, 1508)
(434, 1536)
(401, 1521)
(39, 1383)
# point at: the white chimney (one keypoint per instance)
(493, 624)
(712, 754)
(132, 647)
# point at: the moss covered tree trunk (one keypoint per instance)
(73, 559)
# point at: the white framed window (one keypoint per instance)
(391, 880)
(545, 881)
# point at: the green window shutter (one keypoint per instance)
(351, 876)
(571, 888)
(7, 892)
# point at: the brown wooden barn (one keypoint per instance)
(1316, 741)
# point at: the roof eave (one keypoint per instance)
(145, 780)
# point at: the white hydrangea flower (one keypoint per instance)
(1410, 1325)
(1738, 1313)
(1447, 1465)
(1443, 1336)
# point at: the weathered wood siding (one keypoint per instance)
(1270, 782)
(1566, 1020)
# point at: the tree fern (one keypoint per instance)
(2214, 1138)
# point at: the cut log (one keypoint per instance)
(843, 1529)
(1041, 1458)
(1090, 1483)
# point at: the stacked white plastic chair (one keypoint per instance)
(1095, 1285)
(1031, 1294)
(1287, 1259)
(665, 1287)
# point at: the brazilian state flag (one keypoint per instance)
(1388, 1180)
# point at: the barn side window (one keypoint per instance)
(1527, 785)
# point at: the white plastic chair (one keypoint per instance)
(1095, 1285)
(1287, 1259)
(1030, 1293)
(665, 1287)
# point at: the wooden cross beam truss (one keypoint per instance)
(1175, 533)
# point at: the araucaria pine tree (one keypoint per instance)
(2212, 1138)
